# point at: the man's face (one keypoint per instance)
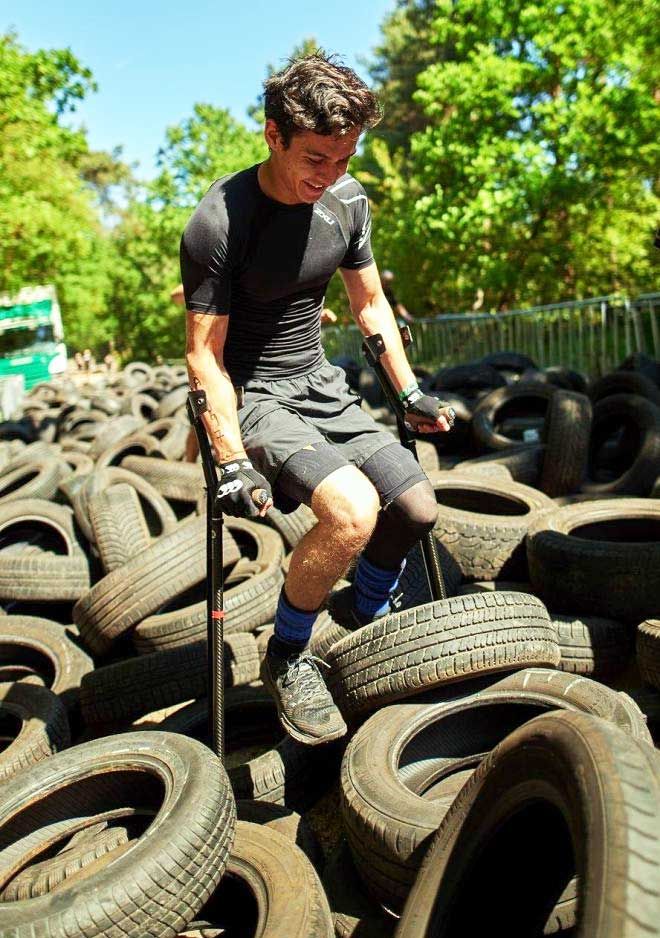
(311, 162)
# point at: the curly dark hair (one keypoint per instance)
(316, 92)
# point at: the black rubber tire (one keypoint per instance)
(524, 462)
(118, 525)
(648, 651)
(158, 886)
(33, 725)
(124, 690)
(115, 429)
(136, 444)
(136, 373)
(410, 652)
(36, 477)
(286, 896)
(593, 646)
(173, 563)
(567, 430)
(601, 558)
(289, 823)
(172, 401)
(60, 571)
(624, 382)
(171, 435)
(467, 378)
(143, 406)
(483, 523)
(289, 774)
(45, 649)
(354, 912)
(520, 399)
(41, 878)
(404, 767)
(247, 604)
(584, 789)
(160, 517)
(644, 419)
(508, 361)
(183, 481)
(566, 378)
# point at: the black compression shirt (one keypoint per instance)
(267, 266)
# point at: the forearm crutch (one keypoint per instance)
(196, 405)
(373, 348)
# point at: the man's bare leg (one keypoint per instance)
(346, 505)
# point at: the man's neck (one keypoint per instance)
(268, 184)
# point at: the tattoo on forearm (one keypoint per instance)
(216, 432)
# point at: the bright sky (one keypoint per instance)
(153, 60)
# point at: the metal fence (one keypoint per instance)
(592, 336)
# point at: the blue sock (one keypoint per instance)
(372, 588)
(293, 627)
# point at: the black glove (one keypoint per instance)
(422, 408)
(242, 491)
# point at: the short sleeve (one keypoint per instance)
(359, 253)
(206, 265)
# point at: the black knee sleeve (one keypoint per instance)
(415, 509)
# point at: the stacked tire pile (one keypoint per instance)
(499, 775)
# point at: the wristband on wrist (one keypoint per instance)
(407, 391)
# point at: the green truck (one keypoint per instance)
(31, 336)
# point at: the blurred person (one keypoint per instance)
(399, 310)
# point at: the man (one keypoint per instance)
(256, 257)
(399, 310)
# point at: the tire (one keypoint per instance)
(286, 822)
(143, 406)
(584, 789)
(287, 899)
(648, 651)
(115, 429)
(155, 888)
(355, 914)
(523, 462)
(172, 401)
(467, 378)
(288, 774)
(568, 427)
(171, 435)
(136, 373)
(566, 378)
(118, 525)
(137, 444)
(643, 418)
(174, 563)
(521, 400)
(38, 478)
(483, 523)
(592, 646)
(183, 481)
(427, 455)
(508, 361)
(42, 878)
(57, 571)
(600, 558)
(159, 516)
(624, 382)
(33, 725)
(248, 604)
(292, 526)
(405, 766)
(42, 648)
(407, 653)
(124, 690)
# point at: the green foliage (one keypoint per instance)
(204, 147)
(535, 177)
(49, 226)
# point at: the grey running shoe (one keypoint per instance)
(304, 705)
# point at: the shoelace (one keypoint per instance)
(304, 670)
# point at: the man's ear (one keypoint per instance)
(273, 136)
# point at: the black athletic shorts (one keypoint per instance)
(297, 431)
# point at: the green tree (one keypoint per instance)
(50, 231)
(535, 177)
(207, 145)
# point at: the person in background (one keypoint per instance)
(399, 310)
